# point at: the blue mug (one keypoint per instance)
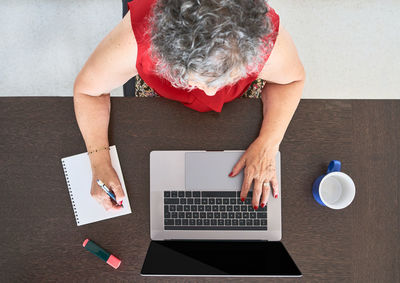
(334, 189)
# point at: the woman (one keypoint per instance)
(203, 53)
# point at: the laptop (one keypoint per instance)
(200, 227)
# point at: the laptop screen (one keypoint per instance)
(219, 258)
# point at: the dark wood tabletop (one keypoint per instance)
(39, 238)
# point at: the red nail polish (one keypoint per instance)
(276, 196)
(120, 203)
(230, 174)
(262, 205)
(242, 199)
(255, 207)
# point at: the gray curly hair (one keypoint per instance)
(215, 42)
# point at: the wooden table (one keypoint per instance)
(39, 238)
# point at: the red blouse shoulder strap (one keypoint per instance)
(140, 11)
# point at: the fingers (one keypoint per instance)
(104, 199)
(265, 194)
(248, 179)
(118, 191)
(257, 190)
(116, 206)
(274, 183)
(238, 167)
(108, 204)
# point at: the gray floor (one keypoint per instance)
(350, 49)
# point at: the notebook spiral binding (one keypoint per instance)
(70, 192)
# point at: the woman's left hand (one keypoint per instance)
(259, 164)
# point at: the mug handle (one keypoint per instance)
(334, 166)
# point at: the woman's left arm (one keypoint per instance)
(279, 104)
(285, 78)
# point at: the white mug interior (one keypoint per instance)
(337, 190)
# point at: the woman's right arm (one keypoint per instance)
(112, 63)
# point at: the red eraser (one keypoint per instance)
(113, 261)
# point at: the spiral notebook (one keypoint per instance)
(78, 174)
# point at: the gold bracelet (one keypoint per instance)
(100, 149)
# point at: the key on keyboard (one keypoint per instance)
(211, 210)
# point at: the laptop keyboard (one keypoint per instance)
(211, 210)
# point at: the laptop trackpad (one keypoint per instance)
(208, 171)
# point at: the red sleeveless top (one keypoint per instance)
(196, 99)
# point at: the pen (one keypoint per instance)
(107, 190)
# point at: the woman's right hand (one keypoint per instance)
(106, 173)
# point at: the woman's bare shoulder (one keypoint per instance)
(112, 63)
(283, 65)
